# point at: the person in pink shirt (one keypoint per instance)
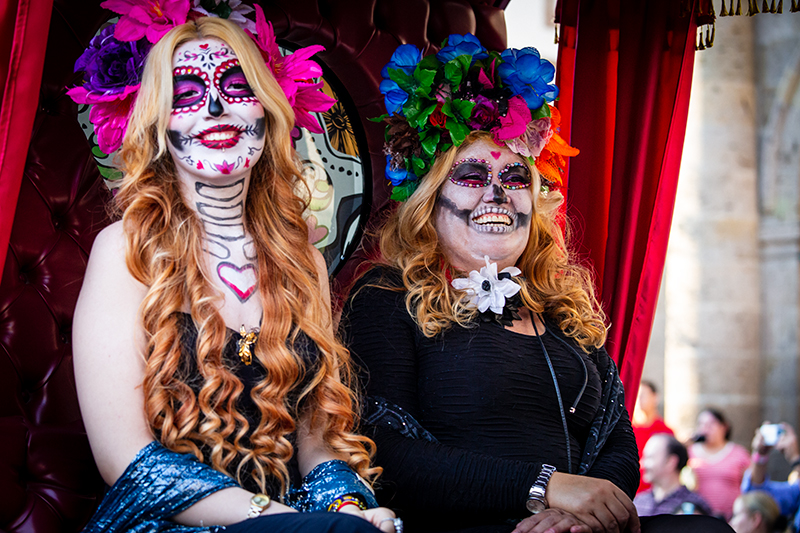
(718, 464)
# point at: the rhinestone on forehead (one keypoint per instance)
(470, 160)
(227, 65)
(507, 169)
(188, 71)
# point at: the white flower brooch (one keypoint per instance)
(495, 295)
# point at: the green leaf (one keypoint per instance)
(424, 77)
(429, 140)
(429, 63)
(406, 82)
(418, 165)
(380, 118)
(402, 192)
(542, 112)
(420, 115)
(458, 131)
(463, 108)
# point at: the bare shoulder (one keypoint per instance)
(108, 355)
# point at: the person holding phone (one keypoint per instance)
(783, 438)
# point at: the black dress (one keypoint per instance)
(490, 403)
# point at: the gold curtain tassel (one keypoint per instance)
(765, 7)
(556, 39)
(724, 11)
(711, 8)
(739, 7)
(700, 44)
(753, 10)
(780, 6)
(710, 40)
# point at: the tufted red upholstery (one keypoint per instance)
(48, 482)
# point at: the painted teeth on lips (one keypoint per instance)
(220, 137)
(493, 216)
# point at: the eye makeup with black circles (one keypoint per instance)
(514, 176)
(471, 173)
(233, 84)
(187, 90)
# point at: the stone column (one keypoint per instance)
(777, 50)
(712, 282)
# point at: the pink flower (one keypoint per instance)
(515, 122)
(225, 167)
(295, 74)
(147, 18)
(109, 114)
(532, 142)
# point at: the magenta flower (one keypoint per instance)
(147, 18)
(295, 74)
(109, 113)
(515, 122)
(225, 167)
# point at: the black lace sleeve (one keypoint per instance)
(618, 457)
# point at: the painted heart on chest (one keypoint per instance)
(241, 280)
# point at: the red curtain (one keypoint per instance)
(625, 73)
(24, 26)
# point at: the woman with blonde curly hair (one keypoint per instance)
(491, 400)
(213, 390)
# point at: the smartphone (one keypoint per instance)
(771, 433)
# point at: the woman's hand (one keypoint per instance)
(374, 516)
(596, 502)
(552, 521)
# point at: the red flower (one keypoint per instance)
(438, 118)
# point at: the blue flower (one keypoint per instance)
(393, 96)
(458, 45)
(399, 175)
(529, 76)
(405, 58)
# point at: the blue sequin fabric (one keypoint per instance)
(158, 484)
(326, 482)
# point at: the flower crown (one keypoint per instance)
(113, 62)
(433, 103)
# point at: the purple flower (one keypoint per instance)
(529, 76)
(484, 114)
(110, 65)
(405, 58)
(459, 45)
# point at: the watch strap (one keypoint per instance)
(539, 488)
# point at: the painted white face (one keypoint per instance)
(217, 123)
(485, 207)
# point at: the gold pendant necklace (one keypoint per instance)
(248, 339)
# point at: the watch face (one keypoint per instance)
(535, 506)
(260, 500)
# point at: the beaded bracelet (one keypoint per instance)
(347, 499)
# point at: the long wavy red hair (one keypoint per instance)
(554, 284)
(165, 252)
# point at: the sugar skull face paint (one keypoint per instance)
(217, 124)
(480, 212)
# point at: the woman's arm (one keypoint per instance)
(108, 346)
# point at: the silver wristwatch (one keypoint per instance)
(536, 501)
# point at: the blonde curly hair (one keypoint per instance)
(165, 252)
(554, 284)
